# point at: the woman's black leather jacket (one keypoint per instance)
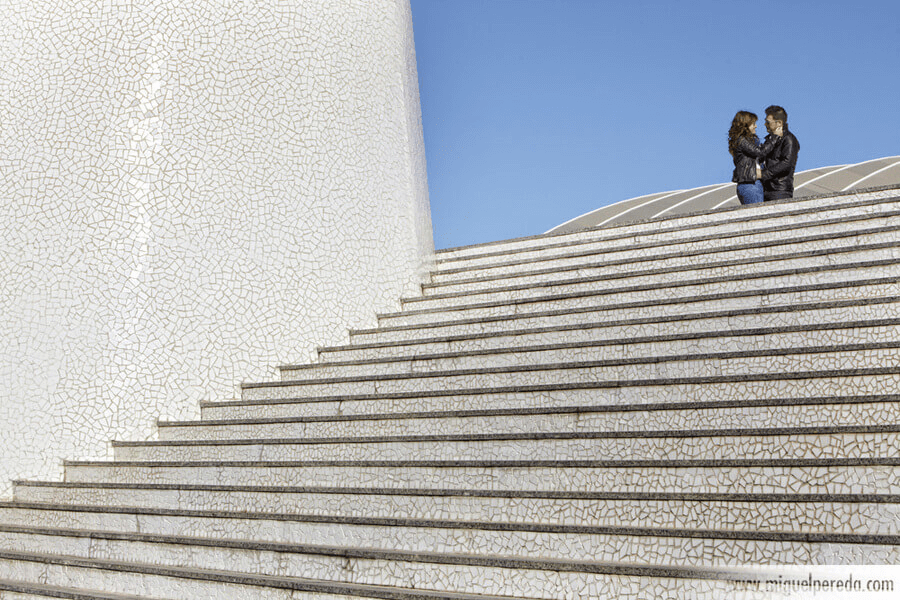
(746, 152)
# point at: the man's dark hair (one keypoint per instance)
(777, 113)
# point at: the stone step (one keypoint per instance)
(17, 590)
(386, 566)
(782, 476)
(721, 223)
(603, 261)
(578, 350)
(727, 293)
(764, 232)
(542, 265)
(175, 581)
(243, 442)
(637, 287)
(748, 363)
(876, 296)
(726, 512)
(640, 416)
(577, 543)
(535, 579)
(677, 392)
(611, 413)
(809, 317)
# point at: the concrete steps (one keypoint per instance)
(15, 590)
(69, 575)
(663, 394)
(794, 361)
(794, 215)
(759, 239)
(675, 263)
(788, 301)
(726, 512)
(202, 541)
(825, 442)
(702, 416)
(532, 579)
(580, 347)
(645, 411)
(771, 476)
(721, 289)
(786, 319)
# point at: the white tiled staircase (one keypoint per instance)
(640, 411)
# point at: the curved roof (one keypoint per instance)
(824, 180)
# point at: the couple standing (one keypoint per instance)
(763, 172)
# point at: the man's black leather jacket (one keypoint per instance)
(778, 171)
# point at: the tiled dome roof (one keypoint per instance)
(824, 180)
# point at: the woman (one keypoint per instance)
(744, 147)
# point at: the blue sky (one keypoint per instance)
(537, 111)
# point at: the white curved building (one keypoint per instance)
(192, 194)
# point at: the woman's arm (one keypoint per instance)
(746, 146)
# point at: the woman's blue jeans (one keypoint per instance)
(750, 193)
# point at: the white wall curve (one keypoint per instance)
(193, 193)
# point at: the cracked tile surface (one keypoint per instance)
(159, 152)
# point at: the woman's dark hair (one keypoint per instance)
(740, 128)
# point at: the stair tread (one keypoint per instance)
(612, 341)
(408, 523)
(650, 286)
(250, 579)
(469, 558)
(377, 591)
(537, 435)
(514, 464)
(645, 271)
(480, 492)
(723, 216)
(599, 250)
(621, 306)
(56, 591)
(659, 319)
(570, 409)
(593, 385)
(587, 364)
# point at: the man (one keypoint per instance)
(782, 147)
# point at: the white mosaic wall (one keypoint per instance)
(190, 194)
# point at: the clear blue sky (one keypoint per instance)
(537, 111)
